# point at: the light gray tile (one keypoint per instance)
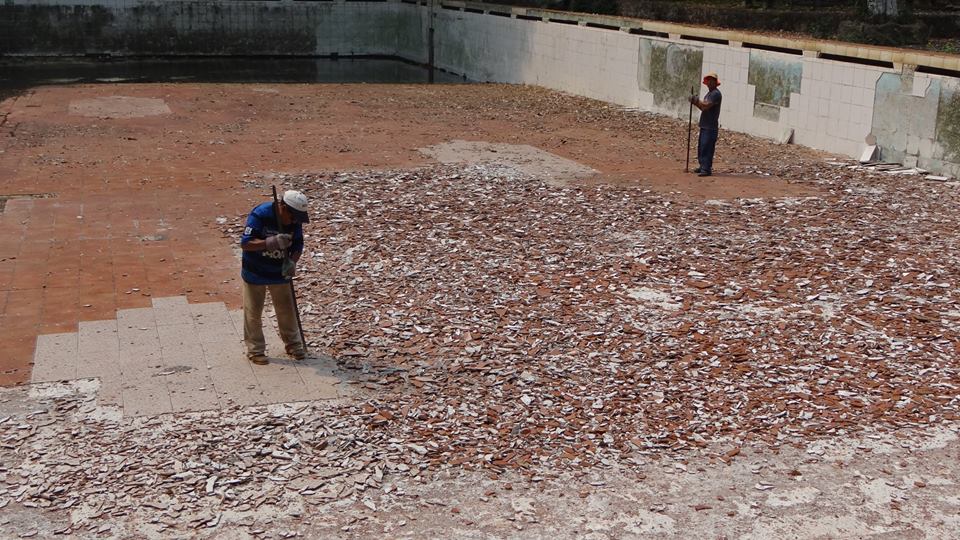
(182, 357)
(188, 380)
(225, 354)
(101, 362)
(231, 374)
(144, 395)
(192, 393)
(210, 311)
(281, 382)
(55, 358)
(172, 311)
(220, 331)
(98, 335)
(214, 323)
(169, 302)
(187, 355)
(137, 328)
(140, 362)
(137, 334)
(236, 317)
(111, 392)
(176, 336)
(136, 317)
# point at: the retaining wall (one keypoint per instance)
(208, 27)
(832, 95)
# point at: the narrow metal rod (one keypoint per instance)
(686, 168)
(293, 292)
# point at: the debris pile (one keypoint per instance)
(893, 169)
(188, 470)
(511, 323)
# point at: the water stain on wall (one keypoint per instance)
(189, 28)
(376, 31)
(774, 78)
(948, 124)
(669, 71)
(31, 27)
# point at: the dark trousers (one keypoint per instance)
(705, 147)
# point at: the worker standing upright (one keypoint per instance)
(709, 123)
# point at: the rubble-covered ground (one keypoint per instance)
(75, 470)
(514, 324)
(587, 359)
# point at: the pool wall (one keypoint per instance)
(231, 27)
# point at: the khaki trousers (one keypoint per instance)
(282, 296)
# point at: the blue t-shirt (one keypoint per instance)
(710, 118)
(266, 267)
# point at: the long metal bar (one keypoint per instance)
(686, 168)
(293, 292)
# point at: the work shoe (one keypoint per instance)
(259, 359)
(696, 170)
(703, 173)
(298, 354)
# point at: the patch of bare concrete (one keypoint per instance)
(527, 159)
(119, 107)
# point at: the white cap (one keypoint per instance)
(297, 203)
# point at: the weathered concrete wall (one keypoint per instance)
(206, 27)
(769, 84)
(585, 61)
(832, 104)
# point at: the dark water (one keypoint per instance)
(16, 75)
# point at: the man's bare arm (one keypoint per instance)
(702, 105)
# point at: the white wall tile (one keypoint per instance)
(849, 74)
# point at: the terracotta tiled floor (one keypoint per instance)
(110, 238)
(135, 200)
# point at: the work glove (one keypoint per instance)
(279, 241)
(289, 269)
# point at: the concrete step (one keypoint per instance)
(175, 356)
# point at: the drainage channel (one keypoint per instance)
(17, 75)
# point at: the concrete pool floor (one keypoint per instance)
(117, 198)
